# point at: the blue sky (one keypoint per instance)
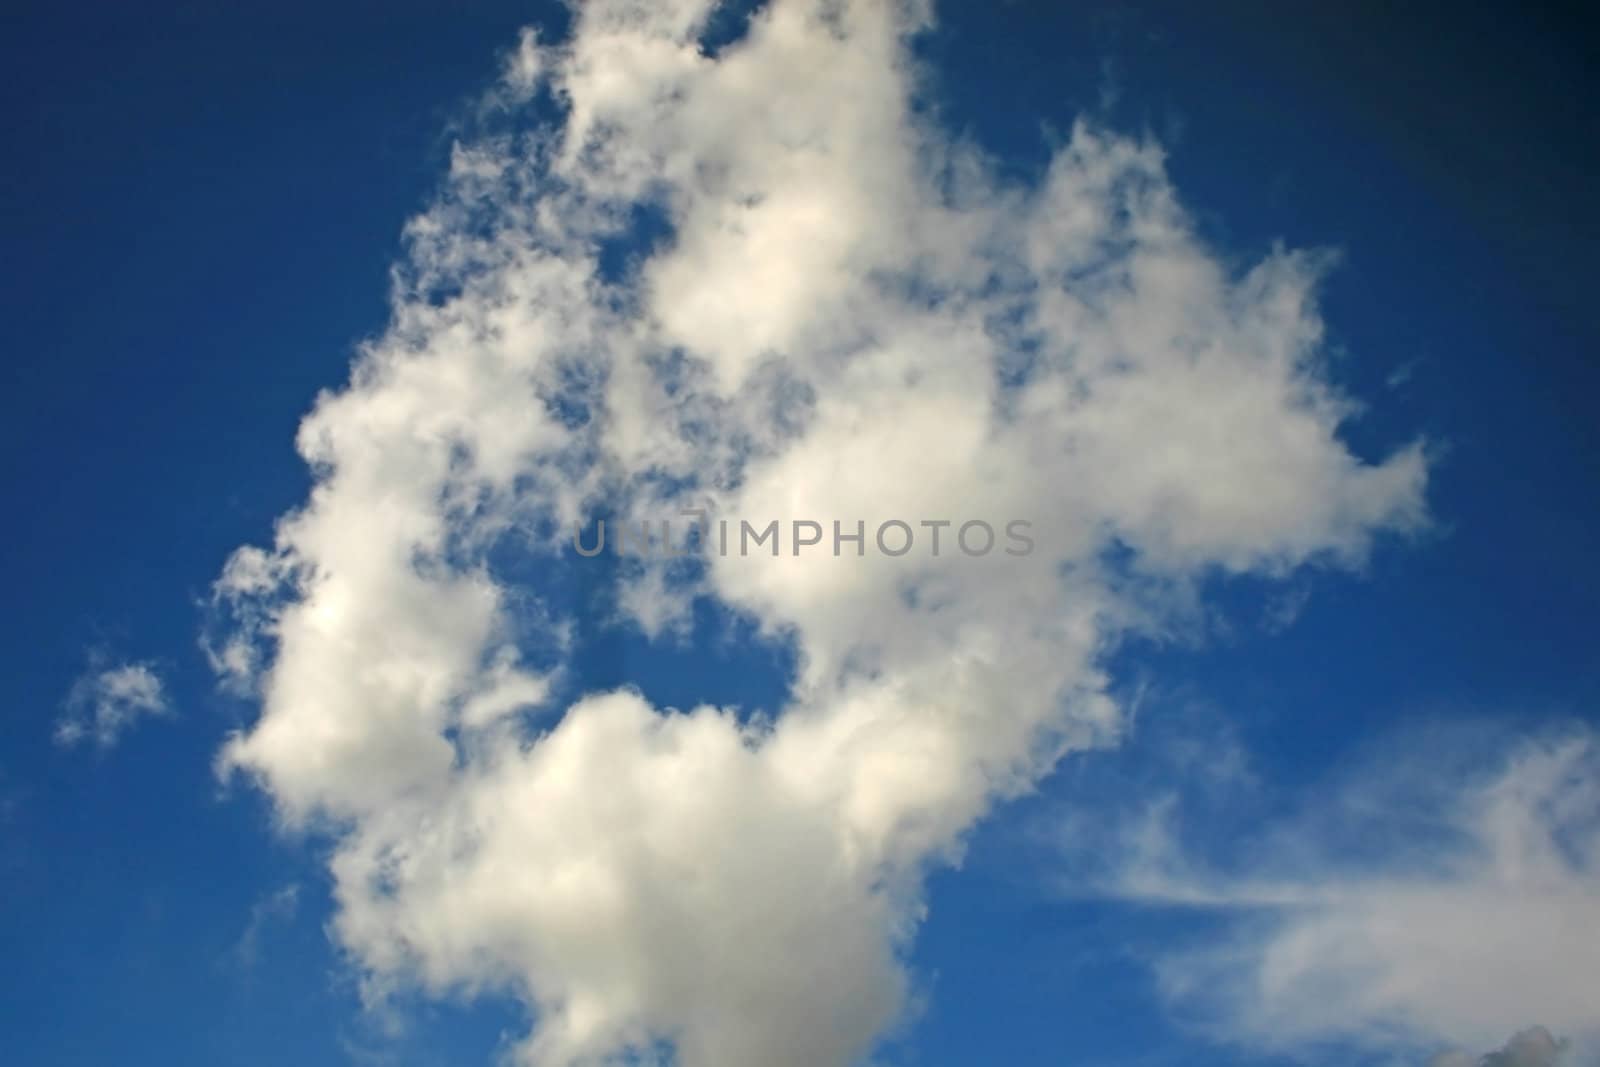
(1320, 711)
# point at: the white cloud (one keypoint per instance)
(1433, 900)
(525, 68)
(852, 319)
(107, 701)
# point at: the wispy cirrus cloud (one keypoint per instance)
(277, 907)
(1444, 893)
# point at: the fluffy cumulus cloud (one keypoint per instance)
(1440, 898)
(760, 283)
(108, 700)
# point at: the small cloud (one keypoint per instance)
(1284, 610)
(106, 701)
(526, 67)
(281, 905)
(1401, 376)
